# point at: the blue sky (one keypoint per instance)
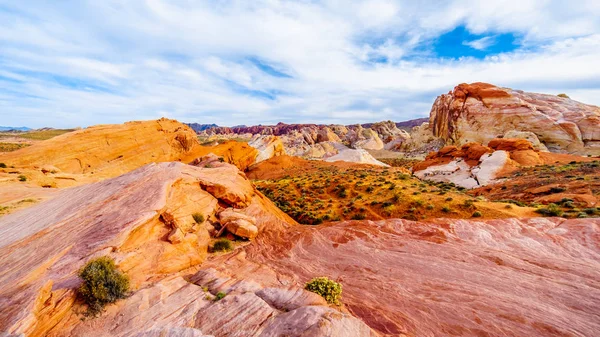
(79, 63)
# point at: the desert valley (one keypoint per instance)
(481, 220)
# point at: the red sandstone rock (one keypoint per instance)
(479, 112)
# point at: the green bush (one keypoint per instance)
(446, 209)
(477, 214)
(563, 95)
(359, 216)
(220, 295)
(551, 210)
(22, 178)
(222, 245)
(198, 217)
(2, 165)
(102, 284)
(330, 290)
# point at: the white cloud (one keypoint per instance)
(110, 61)
(481, 44)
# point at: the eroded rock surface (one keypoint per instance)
(131, 218)
(510, 277)
(479, 112)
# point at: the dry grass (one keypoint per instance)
(336, 193)
(9, 147)
(44, 134)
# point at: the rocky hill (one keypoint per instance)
(151, 197)
(480, 112)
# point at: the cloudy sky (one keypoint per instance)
(77, 63)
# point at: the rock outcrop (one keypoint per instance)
(510, 277)
(267, 147)
(479, 112)
(142, 219)
(474, 165)
(315, 141)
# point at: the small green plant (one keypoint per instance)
(551, 210)
(102, 284)
(198, 217)
(222, 245)
(330, 290)
(359, 216)
(563, 95)
(2, 165)
(22, 178)
(446, 209)
(220, 295)
(449, 199)
(477, 214)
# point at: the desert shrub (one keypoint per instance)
(477, 214)
(198, 217)
(582, 215)
(2, 165)
(219, 296)
(446, 209)
(563, 95)
(359, 216)
(369, 189)
(429, 207)
(102, 284)
(509, 206)
(514, 202)
(557, 189)
(222, 245)
(449, 199)
(22, 178)
(551, 210)
(330, 290)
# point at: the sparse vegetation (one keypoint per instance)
(198, 217)
(563, 95)
(222, 245)
(22, 178)
(102, 284)
(477, 214)
(330, 290)
(550, 210)
(2, 165)
(219, 296)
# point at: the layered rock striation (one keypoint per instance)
(480, 112)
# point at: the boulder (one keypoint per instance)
(239, 223)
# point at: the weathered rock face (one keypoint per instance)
(308, 140)
(267, 147)
(529, 277)
(475, 165)
(111, 150)
(479, 112)
(143, 219)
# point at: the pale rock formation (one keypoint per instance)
(355, 156)
(527, 135)
(326, 135)
(456, 171)
(479, 112)
(267, 147)
(239, 223)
